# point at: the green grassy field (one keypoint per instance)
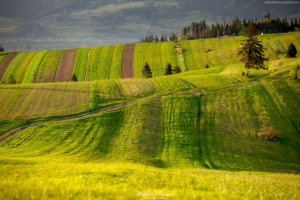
(223, 51)
(46, 70)
(42, 100)
(104, 63)
(80, 64)
(200, 142)
(34, 67)
(13, 67)
(157, 55)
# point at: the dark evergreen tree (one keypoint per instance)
(74, 78)
(168, 70)
(177, 69)
(252, 51)
(147, 71)
(292, 51)
(156, 39)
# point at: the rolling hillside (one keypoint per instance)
(201, 134)
(99, 63)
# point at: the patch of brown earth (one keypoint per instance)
(65, 67)
(127, 61)
(5, 63)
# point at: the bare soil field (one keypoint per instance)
(65, 67)
(127, 61)
(5, 63)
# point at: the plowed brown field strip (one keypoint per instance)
(65, 67)
(5, 63)
(127, 61)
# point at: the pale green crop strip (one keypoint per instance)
(33, 67)
(14, 65)
(81, 64)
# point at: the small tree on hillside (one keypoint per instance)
(177, 69)
(10, 79)
(147, 71)
(252, 51)
(74, 78)
(292, 51)
(1, 48)
(168, 70)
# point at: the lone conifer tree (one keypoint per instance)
(177, 69)
(146, 71)
(252, 51)
(168, 69)
(74, 78)
(292, 51)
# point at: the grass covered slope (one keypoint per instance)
(104, 63)
(42, 100)
(80, 64)
(223, 50)
(219, 130)
(48, 66)
(157, 55)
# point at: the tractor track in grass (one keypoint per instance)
(17, 130)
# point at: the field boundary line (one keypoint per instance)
(17, 130)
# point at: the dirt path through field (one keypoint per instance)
(5, 63)
(13, 132)
(65, 67)
(127, 61)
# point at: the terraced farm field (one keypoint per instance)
(5, 63)
(104, 63)
(46, 70)
(81, 64)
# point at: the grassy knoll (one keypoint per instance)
(47, 68)
(42, 100)
(13, 67)
(157, 55)
(166, 144)
(80, 64)
(104, 63)
(223, 50)
(33, 67)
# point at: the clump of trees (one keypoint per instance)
(252, 51)
(201, 30)
(1, 48)
(292, 51)
(147, 71)
(163, 38)
(169, 70)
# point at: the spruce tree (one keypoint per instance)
(74, 78)
(292, 51)
(147, 71)
(252, 51)
(168, 70)
(176, 69)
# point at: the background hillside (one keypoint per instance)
(102, 22)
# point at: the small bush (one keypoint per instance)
(243, 74)
(297, 29)
(277, 52)
(10, 79)
(74, 78)
(206, 66)
(292, 51)
(178, 50)
(175, 41)
(208, 50)
(268, 133)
